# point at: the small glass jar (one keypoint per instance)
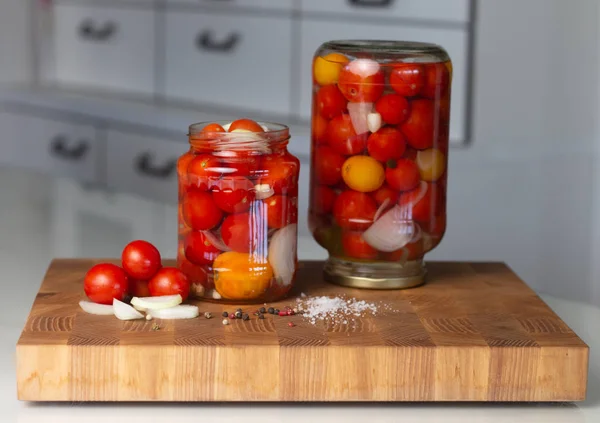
(238, 213)
(380, 125)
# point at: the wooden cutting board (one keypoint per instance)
(474, 332)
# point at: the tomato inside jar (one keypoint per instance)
(380, 117)
(238, 211)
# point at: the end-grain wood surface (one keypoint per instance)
(474, 332)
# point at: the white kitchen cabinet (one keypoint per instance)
(455, 42)
(438, 10)
(48, 145)
(143, 164)
(229, 60)
(101, 47)
(280, 5)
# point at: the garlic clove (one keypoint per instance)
(374, 121)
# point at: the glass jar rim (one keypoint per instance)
(408, 51)
(275, 135)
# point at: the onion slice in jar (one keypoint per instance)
(98, 309)
(125, 311)
(216, 241)
(381, 209)
(407, 199)
(359, 113)
(282, 253)
(177, 312)
(391, 231)
(263, 191)
(418, 233)
(156, 303)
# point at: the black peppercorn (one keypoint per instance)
(261, 316)
(262, 310)
(276, 311)
(245, 316)
(271, 310)
(238, 314)
(238, 309)
(225, 314)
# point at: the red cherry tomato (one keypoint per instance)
(239, 230)
(354, 210)
(281, 211)
(437, 80)
(246, 125)
(355, 246)
(139, 288)
(196, 274)
(323, 199)
(169, 281)
(409, 252)
(393, 108)
(240, 163)
(105, 281)
(402, 174)
(410, 154)
(280, 172)
(140, 259)
(362, 80)
(330, 101)
(342, 137)
(420, 125)
(385, 193)
(203, 169)
(182, 166)
(319, 129)
(200, 211)
(435, 227)
(328, 165)
(407, 79)
(387, 143)
(233, 194)
(198, 248)
(213, 127)
(428, 207)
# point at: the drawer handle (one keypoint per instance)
(206, 41)
(90, 31)
(371, 3)
(143, 164)
(59, 148)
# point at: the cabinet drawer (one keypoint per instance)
(442, 10)
(242, 62)
(50, 146)
(283, 5)
(455, 41)
(143, 165)
(105, 48)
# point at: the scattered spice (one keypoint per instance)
(232, 316)
(225, 322)
(271, 310)
(262, 310)
(291, 324)
(245, 316)
(148, 317)
(238, 314)
(276, 311)
(225, 314)
(261, 316)
(290, 312)
(295, 310)
(334, 310)
(238, 310)
(283, 313)
(155, 326)
(208, 315)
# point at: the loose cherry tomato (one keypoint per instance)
(213, 127)
(402, 174)
(140, 259)
(203, 169)
(233, 194)
(428, 207)
(330, 101)
(407, 79)
(169, 281)
(328, 165)
(281, 211)
(245, 125)
(200, 211)
(235, 232)
(139, 288)
(198, 248)
(393, 108)
(419, 128)
(387, 143)
(323, 199)
(362, 80)
(437, 80)
(355, 246)
(385, 193)
(196, 274)
(319, 129)
(342, 137)
(105, 281)
(354, 210)
(280, 172)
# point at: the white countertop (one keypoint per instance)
(27, 243)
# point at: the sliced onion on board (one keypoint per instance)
(358, 115)
(177, 312)
(391, 231)
(282, 253)
(125, 311)
(98, 309)
(156, 303)
(216, 241)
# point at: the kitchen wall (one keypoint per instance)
(16, 51)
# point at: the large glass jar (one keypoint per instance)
(238, 212)
(380, 121)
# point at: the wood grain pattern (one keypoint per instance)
(474, 332)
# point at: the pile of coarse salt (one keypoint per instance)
(334, 310)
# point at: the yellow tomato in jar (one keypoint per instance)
(327, 68)
(431, 164)
(363, 173)
(240, 276)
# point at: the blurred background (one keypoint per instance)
(96, 97)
